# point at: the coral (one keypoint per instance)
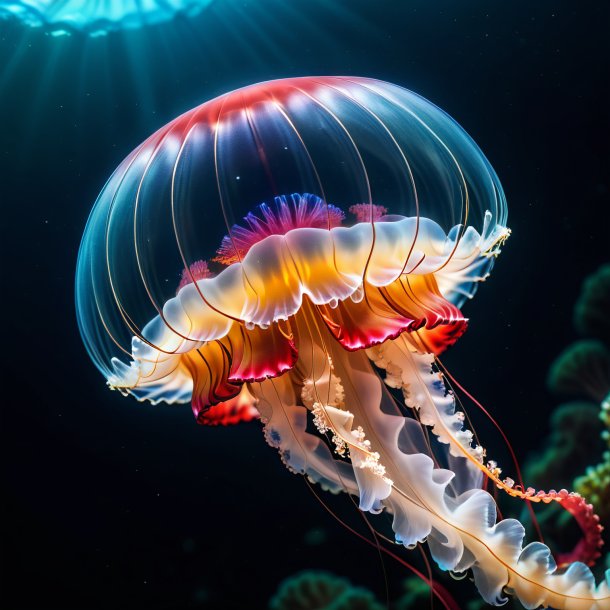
(416, 595)
(573, 442)
(318, 590)
(595, 484)
(591, 312)
(582, 369)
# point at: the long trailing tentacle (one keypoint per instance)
(461, 530)
(424, 389)
(387, 471)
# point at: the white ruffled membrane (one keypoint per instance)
(364, 444)
(270, 282)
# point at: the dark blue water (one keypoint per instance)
(109, 503)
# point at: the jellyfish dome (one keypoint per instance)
(299, 251)
(97, 18)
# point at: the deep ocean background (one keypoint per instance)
(108, 503)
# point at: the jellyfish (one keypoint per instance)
(96, 18)
(299, 251)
